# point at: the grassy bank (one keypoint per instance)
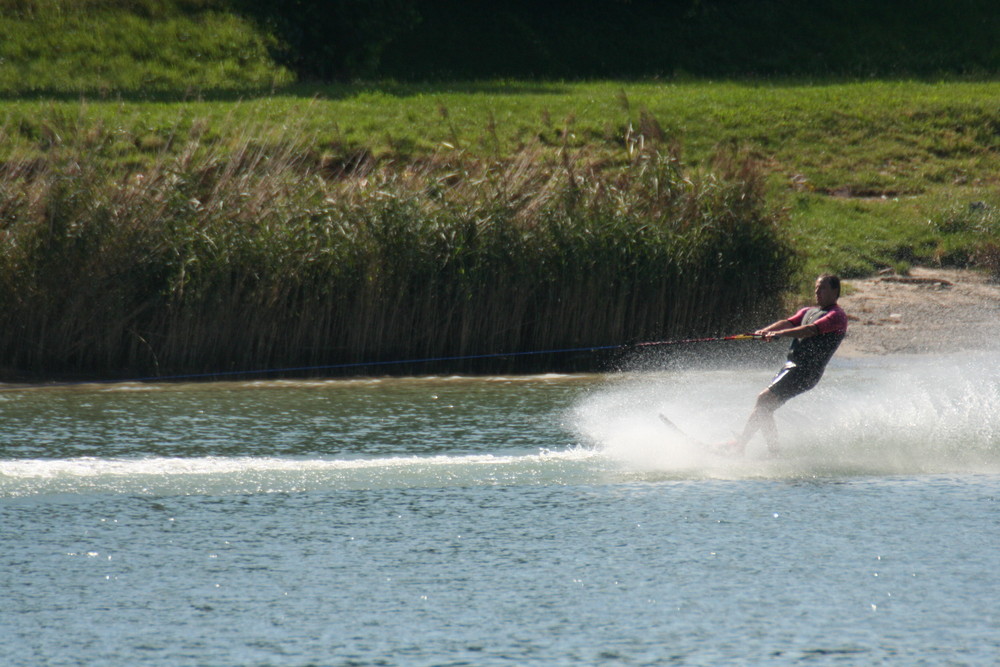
(870, 172)
(105, 47)
(172, 200)
(344, 224)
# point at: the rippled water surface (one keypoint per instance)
(545, 520)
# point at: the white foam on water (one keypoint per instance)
(887, 415)
(246, 475)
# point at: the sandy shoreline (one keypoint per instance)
(930, 310)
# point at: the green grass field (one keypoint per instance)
(102, 47)
(869, 172)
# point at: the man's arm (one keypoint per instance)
(774, 328)
(804, 331)
(789, 328)
(835, 321)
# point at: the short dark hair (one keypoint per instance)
(831, 280)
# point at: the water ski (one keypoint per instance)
(677, 429)
(730, 448)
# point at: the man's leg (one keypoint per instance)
(762, 419)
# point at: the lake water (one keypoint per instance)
(503, 521)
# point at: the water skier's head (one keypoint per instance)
(827, 290)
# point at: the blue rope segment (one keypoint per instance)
(326, 367)
(394, 362)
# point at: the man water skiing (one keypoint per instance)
(818, 332)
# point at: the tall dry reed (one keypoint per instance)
(251, 256)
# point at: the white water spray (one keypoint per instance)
(885, 415)
(252, 475)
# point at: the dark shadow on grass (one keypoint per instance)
(404, 89)
(325, 91)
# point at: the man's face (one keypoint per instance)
(825, 295)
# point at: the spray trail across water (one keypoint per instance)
(252, 475)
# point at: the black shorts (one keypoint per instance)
(793, 380)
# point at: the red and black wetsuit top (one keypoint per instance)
(814, 352)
